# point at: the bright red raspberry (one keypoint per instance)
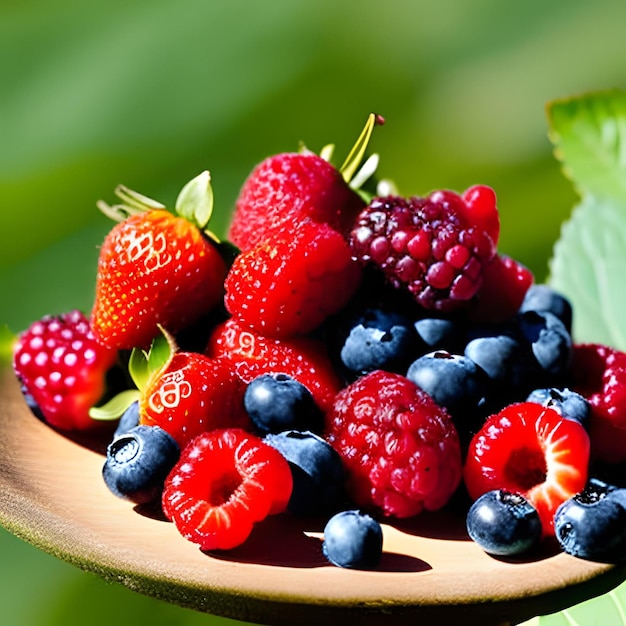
(599, 374)
(286, 189)
(302, 358)
(192, 394)
(532, 450)
(224, 483)
(63, 368)
(289, 284)
(424, 245)
(400, 449)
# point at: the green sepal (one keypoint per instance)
(355, 156)
(133, 203)
(142, 365)
(195, 200)
(115, 407)
(7, 344)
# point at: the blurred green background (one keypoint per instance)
(150, 92)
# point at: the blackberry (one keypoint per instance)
(424, 245)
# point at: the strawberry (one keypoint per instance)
(184, 393)
(224, 483)
(531, 450)
(302, 358)
(599, 374)
(289, 284)
(192, 394)
(156, 267)
(289, 187)
(62, 369)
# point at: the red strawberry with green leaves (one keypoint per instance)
(531, 450)
(302, 358)
(225, 482)
(185, 393)
(289, 284)
(287, 188)
(156, 267)
(62, 369)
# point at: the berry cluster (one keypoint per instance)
(356, 356)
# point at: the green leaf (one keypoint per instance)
(589, 135)
(589, 266)
(138, 368)
(195, 200)
(115, 407)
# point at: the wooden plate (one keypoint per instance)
(52, 495)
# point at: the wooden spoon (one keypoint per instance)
(52, 495)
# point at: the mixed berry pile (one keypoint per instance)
(347, 354)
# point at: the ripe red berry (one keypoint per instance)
(224, 483)
(63, 368)
(289, 284)
(192, 394)
(505, 282)
(287, 189)
(400, 449)
(424, 245)
(480, 209)
(599, 374)
(532, 450)
(302, 358)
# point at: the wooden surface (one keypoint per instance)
(52, 495)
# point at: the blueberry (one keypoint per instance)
(454, 381)
(378, 339)
(317, 470)
(277, 402)
(566, 402)
(549, 340)
(504, 523)
(501, 357)
(353, 539)
(592, 524)
(129, 419)
(543, 298)
(138, 462)
(437, 333)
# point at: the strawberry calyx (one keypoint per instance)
(144, 367)
(194, 203)
(354, 171)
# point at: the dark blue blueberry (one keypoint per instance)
(549, 341)
(504, 523)
(454, 381)
(438, 333)
(317, 470)
(592, 524)
(129, 419)
(277, 402)
(501, 357)
(566, 402)
(354, 540)
(543, 298)
(378, 339)
(138, 462)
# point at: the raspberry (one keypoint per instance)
(224, 482)
(425, 246)
(63, 369)
(531, 450)
(401, 451)
(599, 375)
